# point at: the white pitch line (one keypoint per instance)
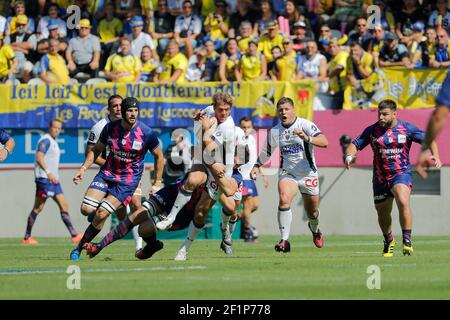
(28, 271)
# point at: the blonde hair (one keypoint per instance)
(222, 97)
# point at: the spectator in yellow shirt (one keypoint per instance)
(174, 65)
(149, 65)
(337, 68)
(253, 64)
(124, 66)
(287, 65)
(7, 61)
(52, 66)
(216, 24)
(109, 30)
(269, 40)
(229, 68)
(245, 29)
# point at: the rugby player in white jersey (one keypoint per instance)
(295, 137)
(221, 134)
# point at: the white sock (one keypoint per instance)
(284, 222)
(193, 233)
(137, 239)
(232, 225)
(183, 197)
(314, 223)
(225, 219)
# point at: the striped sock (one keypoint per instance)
(120, 231)
(31, 219)
(89, 234)
(66, 219)
(388, 237)
(406, 236)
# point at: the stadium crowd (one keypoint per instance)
(334, 42)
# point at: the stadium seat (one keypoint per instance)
(36, 81)
(96, 80)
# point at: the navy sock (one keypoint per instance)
(388, 237)
(66, 219)
(406, 236)
(89, 234)
(31, 219)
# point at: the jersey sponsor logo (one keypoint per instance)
(91, 137)
(401, 138)
(137, 145)
(292, 149)
(311, 183)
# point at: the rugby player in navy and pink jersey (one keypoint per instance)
(128, 141)
(391, 139)
(435, 125)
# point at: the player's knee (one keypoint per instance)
(194, 180)
(89, 205)
(105, 210)
(285, 199)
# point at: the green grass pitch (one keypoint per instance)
(254, 271)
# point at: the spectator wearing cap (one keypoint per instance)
(244, 12)
(269, 40)
(7, 61)
(188, 26)
(83, 52)
(393, 53)
(441, 58)
(140, 39)
(337, 69)
(52, 67)
(109, 29)
(52, 16)
(19, 9)
(43, 44)
(217, 23)
(376, 43)
(299, 36)
(288, 64)
(440, 18)
(413, 46)
(24, 46)
(361, 34)
(425, 49)
(266, 17)
(253, 65)
(229, 68)
(245, 31)
(123, 67)
(173, 66)
(410, 13)
(360, 68)
(164, 25)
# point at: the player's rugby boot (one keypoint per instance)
(30, 240)
(149, 250)
(407, 248)
(317, 237)
(388, 250)
(77, 238)
(92, 249)
(283, 246)
(75, 254)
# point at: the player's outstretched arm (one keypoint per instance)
(8, 148)
(426, 157)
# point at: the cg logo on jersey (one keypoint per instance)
(311, 183)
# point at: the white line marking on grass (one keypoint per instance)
(9, 272)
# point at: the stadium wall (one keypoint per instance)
(346, 205)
